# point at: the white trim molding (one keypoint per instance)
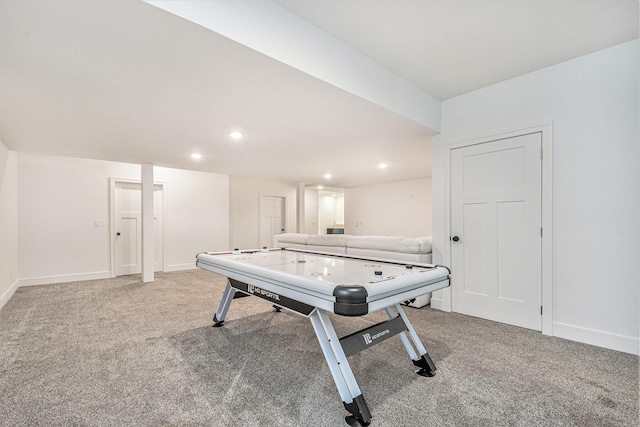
(65, 278)
(181, 267)
(595, 337)
(9, 293)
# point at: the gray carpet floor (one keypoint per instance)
(118, 352)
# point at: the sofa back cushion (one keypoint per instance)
(390, 256)
(297, 238)
(338, 240)
(342, 242)
(385, 243)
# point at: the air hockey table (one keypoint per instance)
(315, 284)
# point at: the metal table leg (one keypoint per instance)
(350, 393)
(422, 360)
(223, 307)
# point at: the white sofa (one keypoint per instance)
(392, 248)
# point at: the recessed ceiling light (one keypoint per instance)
(196, 156)
(382, 165)
(320, 187)
(327, 176)
(236, 135)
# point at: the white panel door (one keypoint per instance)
(496, 247)
(271, 219)
(128, 239)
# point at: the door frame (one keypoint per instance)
(261, 211)
(113, 182)
(545, 129)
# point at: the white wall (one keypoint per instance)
(311, 211)
(8, 223)
(593, 104)
(340, 209)
(244, 208)
(401, 208)
(198, 214)
(59, 198)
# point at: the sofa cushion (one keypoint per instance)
(425, 245)
(390, 256)
(342, 250)
(339, 240)
(399, 244)
(385, 243)
(298, 238)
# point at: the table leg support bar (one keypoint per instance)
(403, 337)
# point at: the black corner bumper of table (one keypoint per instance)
(350, 300)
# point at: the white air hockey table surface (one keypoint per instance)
(339, 284)
(315, 284)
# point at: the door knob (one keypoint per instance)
(455, 238)
(118, 233)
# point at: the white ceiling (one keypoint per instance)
(125, 81)
(448, 48)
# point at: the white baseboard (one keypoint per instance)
(598, 338)
(608, 340)
(437, 303)
(180, 267)
(8, 293)
(50, 280)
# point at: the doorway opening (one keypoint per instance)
(125, 197)
(331, 211)
(272, 218)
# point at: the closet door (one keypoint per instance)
(496, 243)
